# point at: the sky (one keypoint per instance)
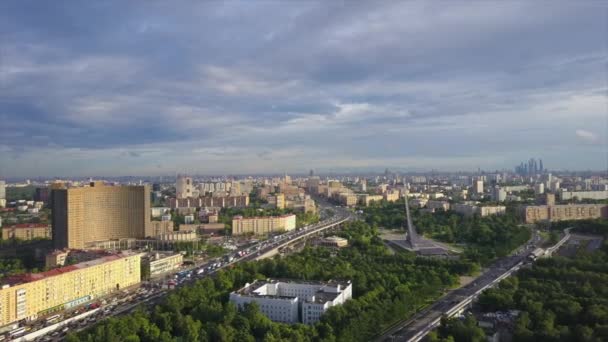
(159, 87)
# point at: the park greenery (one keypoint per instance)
(386, 288)
(484, 238)
(559, 299)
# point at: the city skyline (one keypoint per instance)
(115, 89)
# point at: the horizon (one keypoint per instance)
(118, 88)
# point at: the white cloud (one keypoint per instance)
(587, 136)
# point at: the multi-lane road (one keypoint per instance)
(454, 301)
(126, 302)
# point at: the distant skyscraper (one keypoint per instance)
(2, 190)
(311, 173)
(541, 165)
(99, 213)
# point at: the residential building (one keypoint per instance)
(417, 202)
(443, 205)
(159, 211)
(2, 190)
(478, 187)
(160, 227)
(539, 189)
(178, 236)
(184, 187)
(580, 195)
(391, 195)
(263, 225)
(554, 213)
(286, 301)
(26, 231)
(470, 209)
(366, 199)
(277, 201)
(500, 195)
(210, 202)
(99, 212)
(158, 263)
(28, 296)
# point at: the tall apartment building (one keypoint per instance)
(183, 187)
(28, 296)
(478, 187)
(278, 201)
(262, 225)
(98, 213)
(293, 302)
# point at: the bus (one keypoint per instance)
(17, 332)
(52, 319)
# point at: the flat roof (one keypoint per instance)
(27, 225)
(30, 277)
(320, 296)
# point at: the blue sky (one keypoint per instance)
(150, 88)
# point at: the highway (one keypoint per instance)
(125, 302)
(455, 301)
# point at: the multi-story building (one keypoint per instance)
(99, 212)
(184, 187)
(263, 225)
(160, 227)
(366, 199)
(347, 198)
(470, 209)
(2, 190)
(159, 211)
(26, 231)
(478, 187)
(499, 195)
(210, 202)
(158, 264)
(28, 296)
(554, 213)
(277, 201)
(580, 195)
(178, 236)
(443, 205)
(286, 301)
(391, 195)
(55, 258)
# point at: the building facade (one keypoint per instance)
(98, 213)
(263, 225)
(555, 213)
(293, 302)
(184, 187)
(158, 264)
(28, 296)
(26, 231)
(210, 202)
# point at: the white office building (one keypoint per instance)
(289, 301)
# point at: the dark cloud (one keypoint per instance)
(306, 80)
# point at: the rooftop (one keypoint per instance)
(27, 225)
(30, 277)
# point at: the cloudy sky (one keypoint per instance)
(151, 88)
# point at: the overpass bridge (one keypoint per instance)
(293, 237)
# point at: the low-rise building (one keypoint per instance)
(286, 300)
(178, 236)
(332, 241)
(55, 258)
(263, 225)
(441, 205)
(470, 209)
(28, 296)
(26, 231)
(417, 202)
(158, 263)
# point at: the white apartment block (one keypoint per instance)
(595, 195)
(293, 302)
